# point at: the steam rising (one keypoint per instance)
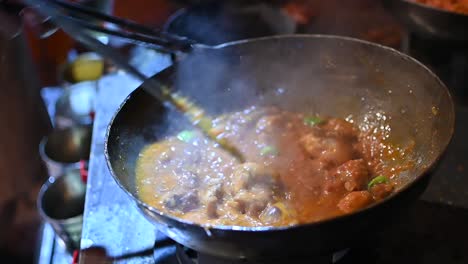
(325, 76)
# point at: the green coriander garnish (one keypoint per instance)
(269, 150)
(377, 180)
(312, 120)
(186, 136)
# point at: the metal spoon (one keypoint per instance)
(157, 89)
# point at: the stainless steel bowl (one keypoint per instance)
(76, 104)
(61, 203)
(66, 148)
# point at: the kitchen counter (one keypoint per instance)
(115, 229)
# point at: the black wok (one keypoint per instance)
(430, 22)
(330, 75)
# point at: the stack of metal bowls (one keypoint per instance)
(66, 150)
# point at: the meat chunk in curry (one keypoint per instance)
(299, 169)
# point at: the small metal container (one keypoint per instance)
(76, 105)
(61, 203)
(65, 148)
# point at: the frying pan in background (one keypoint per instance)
(429, 22)
(331, 75)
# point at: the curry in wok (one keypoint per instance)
(299, 168)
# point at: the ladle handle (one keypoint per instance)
(88, 18)
(127, 28)
(160, 91)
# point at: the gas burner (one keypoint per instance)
(218, 22)
(188, 256)
(167, 251)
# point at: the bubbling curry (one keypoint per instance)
(298, 169)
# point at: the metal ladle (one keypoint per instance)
(160, 91)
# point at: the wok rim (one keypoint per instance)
(425, 173)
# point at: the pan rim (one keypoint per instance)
(433, 8)
(425, 173)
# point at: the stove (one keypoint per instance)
(431, 234)
(184, 255)
(433, 231)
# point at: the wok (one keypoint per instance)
(330, 75)
(429, 22)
